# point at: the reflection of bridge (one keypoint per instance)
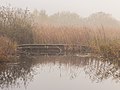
(50, 49)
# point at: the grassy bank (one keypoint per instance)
(7, 48)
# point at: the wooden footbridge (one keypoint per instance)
(50, 49)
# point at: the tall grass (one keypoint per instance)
(7, 48)
(60, 35)
(105, 42)
(17, 25)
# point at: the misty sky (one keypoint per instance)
(82, 7)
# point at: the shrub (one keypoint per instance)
(7, 48)
(16, 24)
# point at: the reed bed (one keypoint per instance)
(7, 48)
(102, 41)
(18, 26)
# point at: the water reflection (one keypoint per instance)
(14, 75)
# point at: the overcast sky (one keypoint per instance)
(82, 7)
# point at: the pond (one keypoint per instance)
(60, 73)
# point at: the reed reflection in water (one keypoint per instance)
(59, 72)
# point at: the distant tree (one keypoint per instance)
(40, 17)
(65, 18)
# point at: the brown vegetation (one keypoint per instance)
(7, 48)
(102, 41)
(15, 27)
(16, 24)
(21, 26)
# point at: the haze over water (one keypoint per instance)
(59, 45)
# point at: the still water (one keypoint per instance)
(60, 73)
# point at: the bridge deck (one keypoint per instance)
(51, 48)
(25, 45)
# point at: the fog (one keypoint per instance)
(82, 7)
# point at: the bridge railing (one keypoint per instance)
(52, 48)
